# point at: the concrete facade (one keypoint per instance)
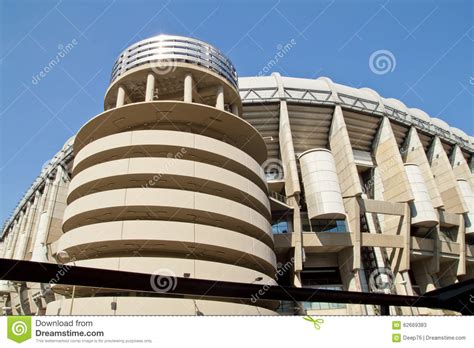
(190, 172)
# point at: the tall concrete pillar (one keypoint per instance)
(15, 233)
(350, 279)
(150, 87)
(461, 269)
(220, 97)
(40, 208)
(468, 196)
(415, 153)
(445, 179)
(23, 235)
(120, 97)
(297, 240)
(390, 164)
(29, 228)
(40, 248)
(403, 287)
(288, 157)
(188, 88)
(351, 204)
(2, 247)
(341, 149)
(292, 183)
(7, 241)
(461, 168)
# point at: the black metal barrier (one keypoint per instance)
(458, 297)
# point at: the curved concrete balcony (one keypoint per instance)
(169, 173)
(170, 144)
(172, 238)
(132, 305)
(175, 115)
(166, 204)
(174, 267)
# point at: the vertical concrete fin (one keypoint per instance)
(341, 149)
(292, 184)
(460, 167)
(461, 269)
(445, 179)
(415, 153)
(390, 164)
(352, 207)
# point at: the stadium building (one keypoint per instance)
(193, 172)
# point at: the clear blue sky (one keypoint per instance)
(432, 42)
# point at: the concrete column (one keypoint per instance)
(297, 240)
(415, 153)
(188, 88)
(150, 87)
(433, 262)
(352, 208)
(2, 247)
(405, 252)
(120, 97)
(15, 233)
(350, 279)
(461, 270)
(21, 251)
(234, 109)
(22, 235)
(390, 164)
(220, 97)
(403, 287)
(41, 206)
(31, 223)
(341, 149)
(445, 179)
(460, 167)
(39, 247)
(292, 182)
(8, 240)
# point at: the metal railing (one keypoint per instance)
(279, 197)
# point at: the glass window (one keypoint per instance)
(280, 227)
(324, 305)
(322, 225)
(327, 278)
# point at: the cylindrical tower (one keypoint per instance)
(168, 181)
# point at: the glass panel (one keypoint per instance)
(280, 227)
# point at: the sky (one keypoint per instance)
(429, 45)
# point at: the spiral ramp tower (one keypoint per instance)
(168, 181)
